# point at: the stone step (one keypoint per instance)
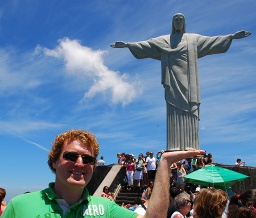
(128, 196)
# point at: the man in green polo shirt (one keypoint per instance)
(73, 160)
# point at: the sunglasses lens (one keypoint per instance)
(72, 156)
(88, 159)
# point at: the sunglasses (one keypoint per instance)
(72, 156)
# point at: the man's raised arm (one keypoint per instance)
(159, 200)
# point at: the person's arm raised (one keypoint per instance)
(159, 200)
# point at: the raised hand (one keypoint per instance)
(119, 44)
(240, 34)
(175, 156)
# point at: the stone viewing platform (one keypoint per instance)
(115, 183)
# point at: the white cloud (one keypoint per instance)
(37, 145)
(82, 61)
(18, 72)
(19, 127)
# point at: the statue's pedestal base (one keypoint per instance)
(192, 149)
(188, 149)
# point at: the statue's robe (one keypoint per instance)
(179, 55)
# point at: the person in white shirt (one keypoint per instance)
(141, 209)
(239, 162)
(101, 162)
(151, 166)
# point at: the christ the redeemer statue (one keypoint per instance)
(179, 53)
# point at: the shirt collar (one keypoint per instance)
(52, 195)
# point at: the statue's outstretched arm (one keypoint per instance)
(240, 34)
(119, 44)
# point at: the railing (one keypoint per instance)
(249, 183)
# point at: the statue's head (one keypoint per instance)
(178, 23)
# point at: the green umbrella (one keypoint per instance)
(215, 176)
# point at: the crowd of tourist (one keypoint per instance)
(141, 171)
(186, 200)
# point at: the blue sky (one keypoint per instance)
(58, 72)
